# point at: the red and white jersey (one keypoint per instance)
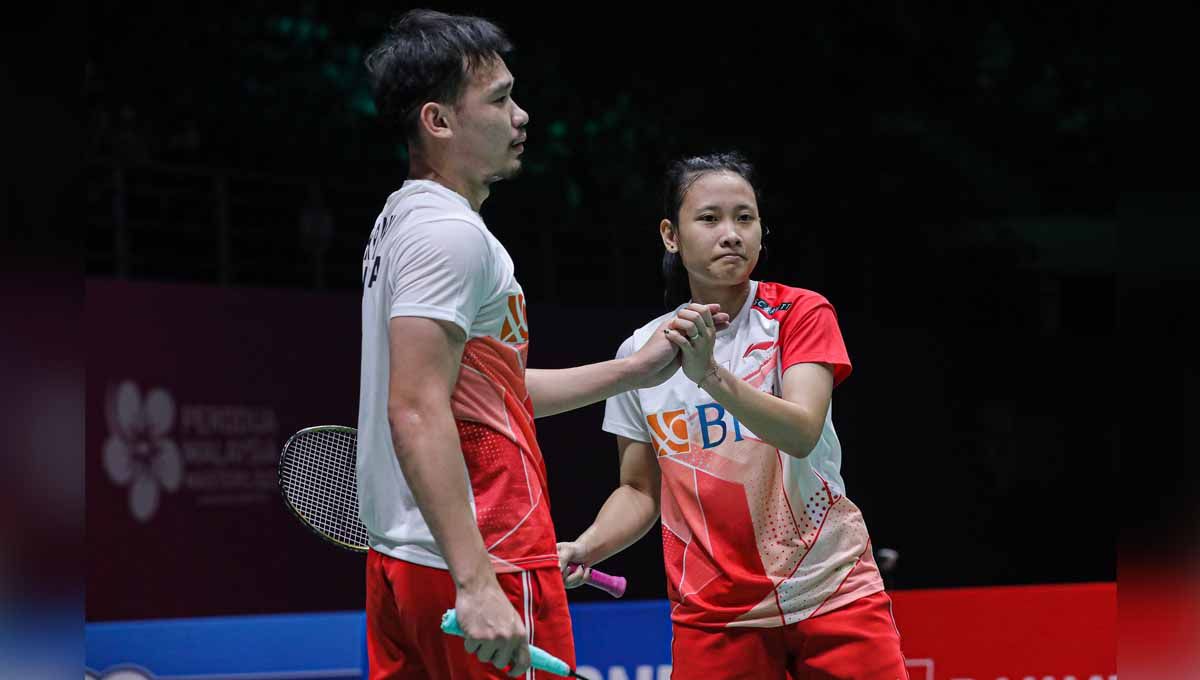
(751, 536)
(430, 255)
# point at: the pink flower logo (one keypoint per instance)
(138, 451)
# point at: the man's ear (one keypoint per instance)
(437, 120)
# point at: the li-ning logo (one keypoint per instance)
(762, 304)
(515, 330)
(139, 451)
(671, 435)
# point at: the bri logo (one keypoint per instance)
(762, 304)
(672, 436)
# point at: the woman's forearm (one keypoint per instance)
(624, 518)
(783, 424)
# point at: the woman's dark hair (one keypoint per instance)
(426, 56)
(681, 175)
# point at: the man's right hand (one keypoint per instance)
(658, 359)
(493, 631)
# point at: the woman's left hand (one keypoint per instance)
(571, 556)
(694, 333)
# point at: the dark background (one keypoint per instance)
(960, 181)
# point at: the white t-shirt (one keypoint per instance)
(430, 255)
(751, 536)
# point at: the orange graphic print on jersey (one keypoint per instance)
(670, 432)
(515, 330)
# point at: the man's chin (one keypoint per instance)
(513, 171)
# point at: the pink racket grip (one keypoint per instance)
(613, 585)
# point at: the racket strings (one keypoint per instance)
(320, 483)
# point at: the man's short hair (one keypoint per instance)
(427, 56)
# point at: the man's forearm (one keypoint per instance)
(565, 389)
(625, 517)
(430, 455)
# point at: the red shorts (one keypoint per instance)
(856, 642)
(405, 603)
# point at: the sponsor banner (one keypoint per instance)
(1065, 632)
(1050, 632)
(191, 392)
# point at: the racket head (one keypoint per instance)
(319, 486)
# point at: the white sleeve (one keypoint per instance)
(623, 412)
(440, 270)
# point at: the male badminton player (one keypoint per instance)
(452, 484)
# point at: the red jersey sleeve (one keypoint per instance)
(810, 334)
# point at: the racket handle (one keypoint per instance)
(542, 660)
(613, 585)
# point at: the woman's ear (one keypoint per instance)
(670, 236)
